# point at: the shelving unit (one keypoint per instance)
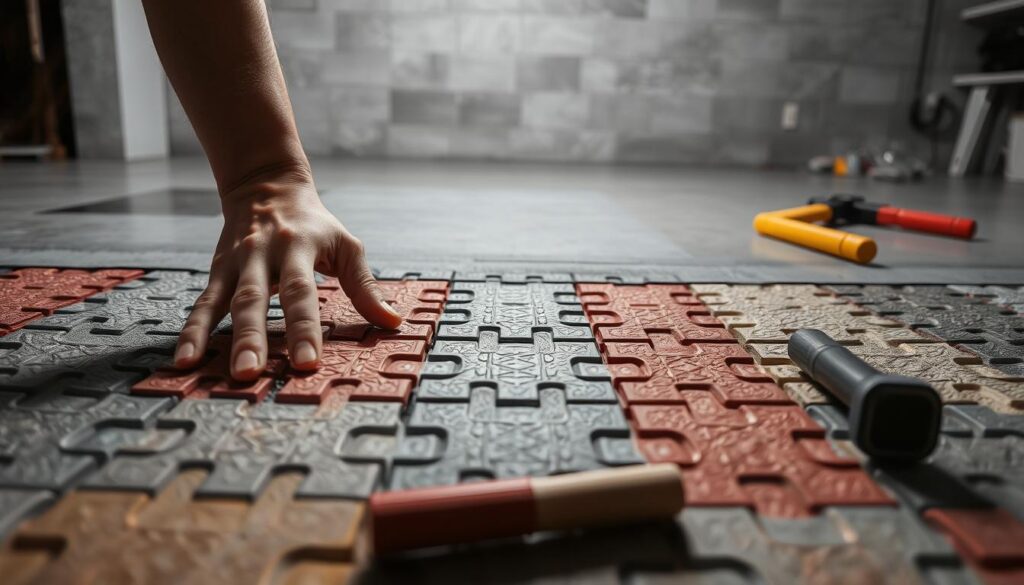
(1001, 13)
(982, 109)
(1001, 78)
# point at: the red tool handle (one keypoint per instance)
(922, 221)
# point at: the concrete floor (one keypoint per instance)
(693, 223)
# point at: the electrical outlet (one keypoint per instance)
(790, 115)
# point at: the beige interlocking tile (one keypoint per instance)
(769, 313)
(958, 376)
(109, 537)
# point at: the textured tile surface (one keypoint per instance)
(697, 399)
(522, 374)
(450, 442)
(29, 293)
(173, 537)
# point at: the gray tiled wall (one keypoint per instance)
(92, 77)
(700, 81)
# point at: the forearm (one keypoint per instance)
(221, 60)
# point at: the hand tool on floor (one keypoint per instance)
(796, 225)
(469, 512)
(892, 418)
(851, 209)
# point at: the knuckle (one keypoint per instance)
(287, 234)
(207, 300)
(296, 288)
(248, 295)
(219, 262)
(355, 246)
(253, 242)
(367, 281)
(261, 208)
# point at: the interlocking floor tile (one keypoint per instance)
(514, 277)
(105, 343)
(18, 503)
(498, 375)
(771, 458)
(646, 278)
(992, 331)
(27, 294)
(632, 313)
(939, 311)
(991, 540)
(516, 311)
(665, 371)
(842, 545)
(737, 437)
(158, 301)
(40, 361)
(518, 371)
(449, 442)
(358, 360)
(243, 444)
(769, 313)
(1012, 297)
(978, 460)
(100, 537)
(376, 368)
(37, 437)
(418, 302)
(212, 378)
(418, 273)
(958, 376)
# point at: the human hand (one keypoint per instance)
(276, 233)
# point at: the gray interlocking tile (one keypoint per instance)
(1012, 297)
(450, 442)
(977, 462)
(873, 544)
(517, 371)
(939, 311)
(37, 438)
(516, 311)
(18, 504)
(245, 443)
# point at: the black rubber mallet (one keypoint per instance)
(892, 418)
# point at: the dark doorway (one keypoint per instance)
(35, 106)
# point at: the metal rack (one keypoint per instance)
(982, 111)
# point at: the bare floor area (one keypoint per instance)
(693, 223)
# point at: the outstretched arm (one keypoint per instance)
(221, 60)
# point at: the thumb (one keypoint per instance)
(361, 288)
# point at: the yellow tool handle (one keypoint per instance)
(792, 226)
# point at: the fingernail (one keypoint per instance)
(305, 353)
(185, 352)
(392, 311)
(246, 361)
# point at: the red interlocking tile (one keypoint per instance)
(212, 378)
(771, 458)
(376, 368)
(991, 539)
(420, 303)
(631, 313)
(358, 360)
(697, 399)
(30, 293)
(372, 369)
(665, 371)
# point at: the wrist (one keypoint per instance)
(269, 180)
